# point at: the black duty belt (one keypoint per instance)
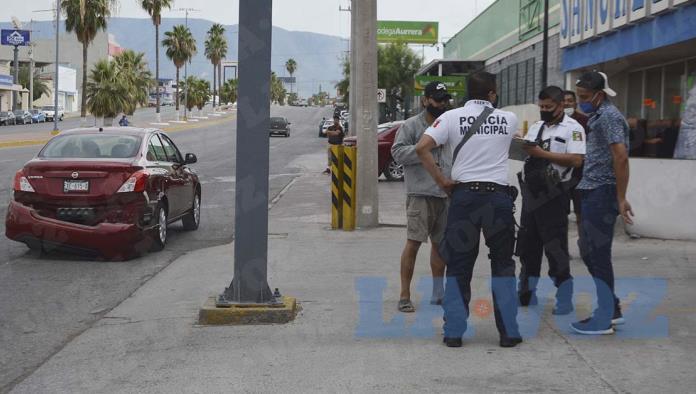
(488, 187)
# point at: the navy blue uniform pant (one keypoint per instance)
(544, 230)
(471, 213)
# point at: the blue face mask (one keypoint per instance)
(587, 106)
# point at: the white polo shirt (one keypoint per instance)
(484, 158)
(568, 136)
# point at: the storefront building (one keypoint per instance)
(648, 49)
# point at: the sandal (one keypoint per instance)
(406, 306)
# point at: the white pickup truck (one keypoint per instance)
(50, 112)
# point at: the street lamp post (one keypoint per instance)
(186, 10)
(250, 283)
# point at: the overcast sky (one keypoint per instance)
(320, 16)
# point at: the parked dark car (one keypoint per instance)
(22, 117)
(280, 126)
(109, 192)
(7, 118)
(386, 133)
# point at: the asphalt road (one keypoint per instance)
(45, 301)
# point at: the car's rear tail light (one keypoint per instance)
(136, 183)
(21, 183)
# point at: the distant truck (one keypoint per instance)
(50, 112)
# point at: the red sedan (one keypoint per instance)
(107, 191)
(386, 133)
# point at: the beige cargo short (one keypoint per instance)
(427, 218)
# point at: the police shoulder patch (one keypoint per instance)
(577, 136)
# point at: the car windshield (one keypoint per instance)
(278, 122)
(92, 146)
(35, 111)
(19, 112)
(47, 108)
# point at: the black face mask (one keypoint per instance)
(548, 116)
(435, 111)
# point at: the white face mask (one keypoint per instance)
(569, 111)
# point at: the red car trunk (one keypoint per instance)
(80, 192)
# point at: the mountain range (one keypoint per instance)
(318, 56)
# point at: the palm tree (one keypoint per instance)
(215, 51)
(154, 8)
(228, 91)
(40, 86)
(132, 69)
(85, 18)
(106, 94)
(291, 66)
(181, 47)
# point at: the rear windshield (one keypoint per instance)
(277, 121)
(92, 146)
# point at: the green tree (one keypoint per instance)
(397, 67)
(85, 18)
(228, 91)
(278, 92)
(40, 86)
(154, 8)
(181, 47)
(343, 86)
(106, 94)
(198, 92)
(291, 66)
(133, 71)
(396, 70)
(215, 51)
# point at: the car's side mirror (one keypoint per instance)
(190, 159)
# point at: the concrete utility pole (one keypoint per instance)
(363, 113)
(250, 285)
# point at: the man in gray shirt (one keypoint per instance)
(426, 203)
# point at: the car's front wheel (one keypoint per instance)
(394, 171)
(193, 219)
(159, 236)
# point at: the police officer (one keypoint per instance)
(481, 200)
(556, 145)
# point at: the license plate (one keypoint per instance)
(70, 186)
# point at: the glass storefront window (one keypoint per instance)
(635, 95)
(675, 80)
(652, 101)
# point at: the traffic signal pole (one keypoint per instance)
(363, 114)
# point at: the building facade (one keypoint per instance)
(648, 50)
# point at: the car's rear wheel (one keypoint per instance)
(159, 235)
(193, 219)
(394, 171)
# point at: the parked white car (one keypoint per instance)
(50, 111)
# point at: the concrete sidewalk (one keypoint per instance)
(349, 339)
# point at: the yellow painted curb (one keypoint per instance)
(210, 315)
(21, 143)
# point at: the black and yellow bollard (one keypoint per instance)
(336, 152)
(349, 177)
